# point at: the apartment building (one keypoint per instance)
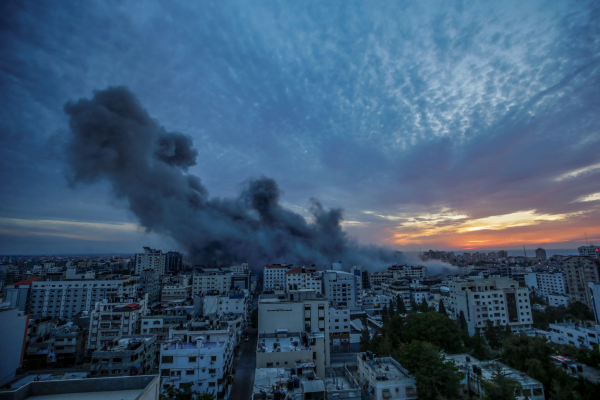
(17, 294)
(405, 271)
(14, 333)
(274, 276)
(175, 292)
(384, 378)
(65, 299)
(594, 288)
(378, 278)
(240, 269)
(214, 281)
(339, 328)
(200, 354)
(580, 271)
(399, 288)
(232, 303)
(574, 334)
(112, 320)
(557, 300)
(303, 278)
(150, 259)
(126, 356)
(364, 280)
(149, 282)
(342, 288)
(500, 300)
(589, 251)
(293, 331)
(546, 283)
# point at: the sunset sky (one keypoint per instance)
(434, 125)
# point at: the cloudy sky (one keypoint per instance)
(448, 125)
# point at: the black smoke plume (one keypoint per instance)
(113, 138)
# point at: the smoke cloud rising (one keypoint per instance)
(115, 139)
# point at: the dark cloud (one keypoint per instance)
(114, 139)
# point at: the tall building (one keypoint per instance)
(594, 288)
(214, 281)
(540, 253)
(150, 259)
(302, 278)
(199, 354)
(14, 334)
(274, 276)
(342, 288)
(547, 283)
(363, 277)
(173, 261)
(581, 271)
(500, 300)
(502, 253)
(589, 251)
(293, 331)
(110, 321)
(65, 299)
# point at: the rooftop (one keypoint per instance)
(292, 342)
(489, 369)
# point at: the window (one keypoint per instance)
(167, 359)
(213, 358)
(192, 359)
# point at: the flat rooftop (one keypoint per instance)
(112, 395)
(382, 366)
(290, 343)
(190, 346)
(489, 368)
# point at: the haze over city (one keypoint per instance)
(432, 125)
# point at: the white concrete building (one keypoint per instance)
(201, 354)
(233, 303)
(342, 288)
(497, 299)
(175, 292)
(589, 251)
(274, 276)
(240, 269)
(14, 333)
(574, 334)
(206, 282)
(405, 271)
(110, 321)
(546, 283)
(580, 271)
(64, 299)
(594, 288)
(385, 378)
(556, 300)
(339, 328)
(293, 331)
(303, 278)
(150, 259)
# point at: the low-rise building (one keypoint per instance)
(574, 334)
(128, 355)
(476, 372)
(303, 278)
(339, 328)
(175, 292)
(384, 378)
(557, 300)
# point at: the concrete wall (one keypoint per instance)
(148, 383)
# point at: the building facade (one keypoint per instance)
(580, 271)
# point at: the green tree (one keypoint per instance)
(394, 330)
(413, 305)
(384, 347)
(435, 328)
(365, 335)
(462, 322)
(442, 308)
(491, 334)
(435, 378)
(478, 346)
(400, 306)
(563, 391)
(392, 312)
(384, 315)
(500, 387)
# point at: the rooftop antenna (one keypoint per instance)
(586, 239)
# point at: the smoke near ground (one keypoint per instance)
(113, 138)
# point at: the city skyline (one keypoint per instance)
(454, 127)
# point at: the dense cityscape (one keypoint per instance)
(299, 200)
(490, 325)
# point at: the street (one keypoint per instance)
(243, 379)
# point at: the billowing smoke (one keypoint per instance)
(115, 139)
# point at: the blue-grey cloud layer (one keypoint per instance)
(393, 107)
